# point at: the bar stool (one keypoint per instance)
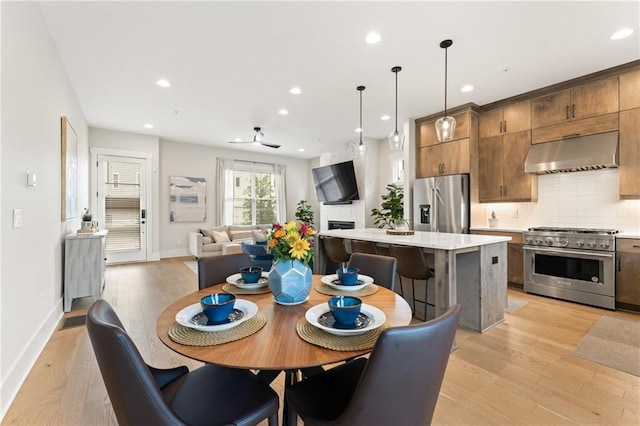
(412, 264)
(359, 246)
(335, 250)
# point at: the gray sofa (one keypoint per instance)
(210, 241)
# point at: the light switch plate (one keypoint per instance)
(17, 218)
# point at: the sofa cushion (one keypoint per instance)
(258, 236)
(220, 237)
(240, 232)
(208, 232)
(207, 240)
(212, 247)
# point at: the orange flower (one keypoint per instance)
(279, 233)
(272, 243)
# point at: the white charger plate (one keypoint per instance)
(376, 316)
(236, 279)
(330, 281)
(249, 309)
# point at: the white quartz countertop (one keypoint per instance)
(434, 240)
(628, 235)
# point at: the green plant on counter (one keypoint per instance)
(87, 216)
(392, 208)
(304, 212)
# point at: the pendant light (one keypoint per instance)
(445, 126)
(361, 147)
(396, 139)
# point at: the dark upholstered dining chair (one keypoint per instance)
(359, 246)
(381, 268)
(214, 270)
(398, 385)
(335, 250)
(143, 395)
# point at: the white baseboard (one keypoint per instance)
(15, 376)
(178, 252)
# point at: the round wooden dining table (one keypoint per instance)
(277, 346)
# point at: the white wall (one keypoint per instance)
(123, 141)
(35, 94)
(181, 159)
(586, 199)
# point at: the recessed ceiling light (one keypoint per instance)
(385, 117)
(163, 83)
(148, 126)
(373, 37)
(238, 140)
(301, 149)
(358, 130)
(283, 112)
(295, 91)
(466, 88)
(622, 33)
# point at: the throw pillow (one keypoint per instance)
(258, 237)
(220, 237)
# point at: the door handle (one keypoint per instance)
(567, 114)
(573, 111)
(504, 128)
(500, 127)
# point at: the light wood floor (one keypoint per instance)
(520, 372)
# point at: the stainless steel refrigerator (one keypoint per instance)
(441, 204)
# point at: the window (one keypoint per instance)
(397, 167)
(254, 198)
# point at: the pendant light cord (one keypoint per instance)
(360, 89)
(445, 80)
(396, 72)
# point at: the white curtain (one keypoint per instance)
(281, 191)
(224, 193)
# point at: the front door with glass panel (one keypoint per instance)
(122, 207)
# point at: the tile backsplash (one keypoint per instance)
(580, 199)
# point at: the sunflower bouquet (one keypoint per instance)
(291, 241)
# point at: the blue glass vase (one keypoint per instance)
(290, 282)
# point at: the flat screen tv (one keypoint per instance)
(336, 183)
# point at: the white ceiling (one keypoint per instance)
(231, 64)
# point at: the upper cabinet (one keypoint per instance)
(426, 130)
(630, 90)
(510, 119)
(629, 154)
(436, 158)
(586, 109)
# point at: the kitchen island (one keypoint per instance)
(469, 269)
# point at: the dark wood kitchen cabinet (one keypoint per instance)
(628, 273)
(629, 154)
(585, 109)
(501, 175)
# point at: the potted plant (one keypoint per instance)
(304, 212)
(87, 218)
(391, 213)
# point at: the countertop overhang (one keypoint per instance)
(433, 240)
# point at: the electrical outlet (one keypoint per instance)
(42, 298)
(179, 241)
(514, 213)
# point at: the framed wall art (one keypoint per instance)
(69, 181)
(187, 199)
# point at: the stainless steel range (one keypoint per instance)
(572, 264)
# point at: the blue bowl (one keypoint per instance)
(218, 306)
(348, 276)
(345, 309)
(251, 274)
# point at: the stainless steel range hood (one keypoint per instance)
(574, 154)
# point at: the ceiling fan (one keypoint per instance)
(257, 139)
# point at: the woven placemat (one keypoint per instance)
(234, 289)
(190, 337)
(318, 337)
(367, 290)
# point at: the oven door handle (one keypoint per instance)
(563, 252)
